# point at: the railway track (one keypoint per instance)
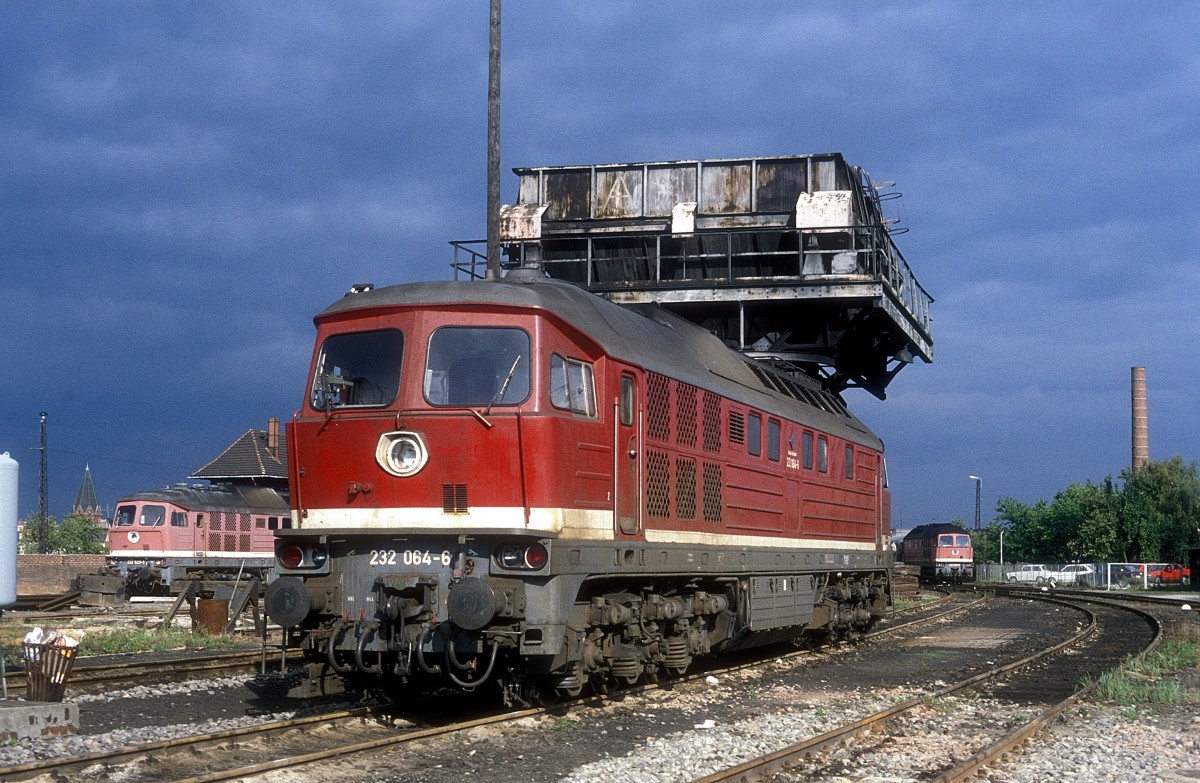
(1044, 683)
(291, 744)
(90, 677)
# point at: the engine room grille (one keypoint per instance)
(658, 492)
(685, 414)
(712, 492)
(685, 488)
(454, 498)
(712, 423)
(737, 427)
(659, 405)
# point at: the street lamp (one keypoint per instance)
(978, 486)
(1002, 532)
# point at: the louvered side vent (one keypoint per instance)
(712, 492)
(712, 423)
(737, 427)
(230, 542)
(659, 414)
(685, 488)
(214, 540)
(244, 521)
(217, 522)
(244, 542)
(658, 489)
(685, 414)
(454, 498)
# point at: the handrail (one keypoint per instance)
(696, 259)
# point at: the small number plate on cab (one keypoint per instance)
(409, 557)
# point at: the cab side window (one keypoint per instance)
(572, 386)
(754, 434)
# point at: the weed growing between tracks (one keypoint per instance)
(1158, 678)
(160, 640)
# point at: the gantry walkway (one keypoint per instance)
(788, 259)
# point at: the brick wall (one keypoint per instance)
(51, 574)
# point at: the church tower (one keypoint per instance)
(85, 501)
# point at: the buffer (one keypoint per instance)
(787, 259)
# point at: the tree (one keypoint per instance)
(77, 534)
(1160, 510)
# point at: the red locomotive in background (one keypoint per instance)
(220, 532)
(942, 550)
(517, 480)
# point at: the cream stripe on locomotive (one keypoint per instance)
(572, 523)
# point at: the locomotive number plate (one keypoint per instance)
(409, 557)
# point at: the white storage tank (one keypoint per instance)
(8, 530)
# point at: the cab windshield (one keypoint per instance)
(358, 369)
(477, 367)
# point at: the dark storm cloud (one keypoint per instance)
(186, 184)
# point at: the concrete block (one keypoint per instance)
(37, 719)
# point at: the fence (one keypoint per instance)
(1102, 575)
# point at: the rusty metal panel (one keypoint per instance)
(521, 221)
(725, 187)
(618, 193)
(530, 188)
(777, 184)
(825, 209)
(567, 194)
(669, 185)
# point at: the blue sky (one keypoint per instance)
(185, 184)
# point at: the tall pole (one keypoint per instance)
(978, 486)
(493, 141)
(43, 493)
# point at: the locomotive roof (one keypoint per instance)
(644, 335)
(932, 529)
(230, 496)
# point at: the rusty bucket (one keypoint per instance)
(211, 616)
(47, 667)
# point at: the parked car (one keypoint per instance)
(1030, 573)
(1167, 573)
(1077, 574)
(1124, 574)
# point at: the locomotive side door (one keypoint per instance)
(627, 460)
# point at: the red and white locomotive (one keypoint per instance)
(222, 531)
(160, 538)
(518, 481)
(942, 550)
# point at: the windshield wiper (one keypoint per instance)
(504, 386)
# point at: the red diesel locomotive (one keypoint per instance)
(159, 539)
(942, 551)
(517, 481)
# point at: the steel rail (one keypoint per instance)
(64, 767)
(776, 762)
(165, 669)
(969, 767)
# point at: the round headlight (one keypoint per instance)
(401, 453)
(404, 454)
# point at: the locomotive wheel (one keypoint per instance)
(569, 686)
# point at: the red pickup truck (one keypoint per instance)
(1167, 573)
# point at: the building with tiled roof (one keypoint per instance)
(258, 457)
